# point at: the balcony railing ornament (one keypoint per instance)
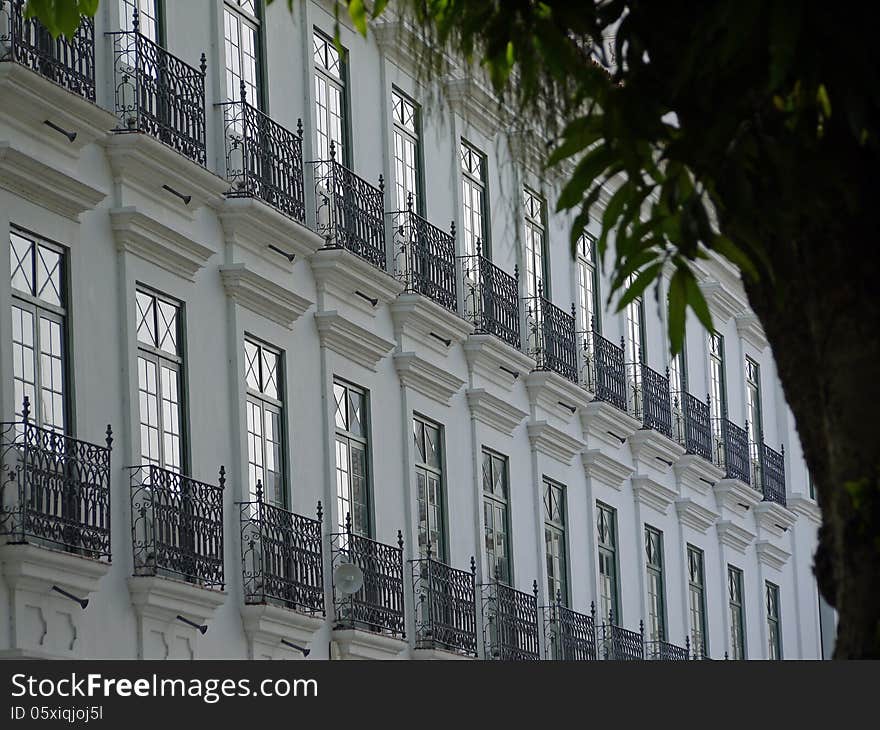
(491, 298)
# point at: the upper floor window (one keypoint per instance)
(606, 529)
(737, 613)
(753, 413)
(160, 366)
(635, 329)
(265, 418)
(555, 541)
(536, 244)
(149, 18)
(717, 389)
(407, 152)
(656, 588)
(678, 388)
(331, 113)
(774, 634)
(39, 329)
(495, 516)
(588, 285)
(352, 457)
(697, 601)
(241, 32)
(427, 438)
(474, 200)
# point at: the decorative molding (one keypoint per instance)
(604, 468)
(399, 43)
(553, 442)
(723, 305)
(773, 518)
(357, 644)
(262, 296)
(654, 450)
(771, 555)
(439, 655)
(257, 227)
(695, 474)
(351, 340)
(493, 411)
(735, 498)
(35, 568)
(45, 186)
(421, 375)
(427, 324)
(694, 515)
(805, 507)
(476, 104)
(749, 328)
(155, 242)
(554, 394)
(351, 280)
(605, 424)
(734, 536)
(265, 625)
(496, 361)
(650, 492)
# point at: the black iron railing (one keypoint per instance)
(70, 63)
(693, 425)
(54, 489)
(445, 606)
(350, 211)
(569, 635)
(667, 652)
(263, 159)
(491, 298)
(550, 336)
(510, 623)
(732, 452)
(653, 403)
(610, 371)
(424, 257)
(378, 605)
(159, 94)
(281, 556)
(773, 474)
(618, 643)
(177, 525)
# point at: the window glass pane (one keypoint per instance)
(147, 15)
(21, 263)
(48, 286)
(352, 485)
(329, 99)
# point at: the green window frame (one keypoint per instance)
(242, 50)
(475, 206)
(407, 156)
(589, 308)
(697, 601)
(430, 488)
(736, 613)
(352, 447)
(150, 18)
(754, 417)
(774, 624)
(496, 517)
(555, 541)
(609, 588)
(656, 584)
(537, 264)
(264, 413)
(717, 392)
(331, 99)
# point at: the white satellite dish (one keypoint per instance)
(348, 578)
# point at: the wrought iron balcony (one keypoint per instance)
(551, 338)
(54, 490)
(263, 159)
(732, 449)
(445, 606)
(692, 422)
(177, 526)
(510, 623)
(620, 644)
(667, 652)
(281, 556)
(70, 63)
(378, 605)
(772, 474)
(424, 257)
(569, 635)
(159, 94)
(653, 406)
(491, 298)
(350, 211)
(609, 372)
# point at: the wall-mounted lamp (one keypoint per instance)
(305, 652)
(445, 340)
(372, 300)
(83, 602)
(70, 135)
(184, 198)
(513, 373)
(567, 406)
(201, 627)
(619, 438)
(289, 256)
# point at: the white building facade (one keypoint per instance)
(304, 364)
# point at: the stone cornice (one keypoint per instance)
(653, 450)
(773, 518)
(554, 394)
(427, 324)
(694, 515)
(749, 328)
(604, 424)
(496, 361)
(425, 377)
(155, 242)
(262, 296)
(45, 186)
(475, 103)
(604, 468)
(771, 555)
(351, 340)
(493, 411)
(650, 492)
(357, 644)
(695, 474)
(351, 280)
(734, 498)
(163, 599)
(723, 305)
(553, 442)
(733, 535)
(266, 625)
(35, 568)
(805, 507)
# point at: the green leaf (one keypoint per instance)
(733, 253)
(675, 324)
(379, 8)
(584, 174)
(358, 14)
(642, 281)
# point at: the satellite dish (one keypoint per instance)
(348, 578)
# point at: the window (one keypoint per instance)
(352, 454)
(39, 329)
(495, 516)
(265, 419)
(149, 18)
(774, 634)
(331, 114)
(536, 244)
(656, 590)
(160, 378)
(635, 330)
(429, 477)
(737, 619)
(678, 390)
(555, 542)
(811, 486)
(241, 31)
(717, 390)
(473, 189)
(606, 524)
(753, 413)
(407, 152)
(588, 285)
(697, 601)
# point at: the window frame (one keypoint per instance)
(416, 137)
(736, 611)
(257, 24)
(774, 622)
(468, 178)
(438, 552)
(657, 571)
(559, 528)
(532, 224)
(158, 18)
(340, 83)
(611, 553)
(365, 441)
(698, 589)
(490, 498)
(587, 268)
